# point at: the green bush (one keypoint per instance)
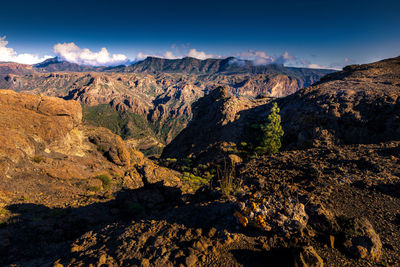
(94, 188)
(105, 179)
(229, 183)
(38, 159)
(272, 133)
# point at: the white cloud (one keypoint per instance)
(72, 53)
(316, 66)
(257, 57)
(199, 54)
(9, 54)
(141, 56)
(262, 58)
(170, 55)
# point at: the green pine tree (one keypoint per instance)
(272, 133)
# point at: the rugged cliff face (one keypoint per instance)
(360, 104)
(44, 144)
(151, 100)
(149, 106)
(217, 127)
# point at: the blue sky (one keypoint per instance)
(303, 33)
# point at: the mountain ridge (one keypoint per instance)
(151, 100)
(359, 105)
(190, 65)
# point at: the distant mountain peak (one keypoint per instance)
(47, 62)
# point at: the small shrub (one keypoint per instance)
(3, 211)
(38, 159)
(105, 179)
(229, 184)
(94, 188)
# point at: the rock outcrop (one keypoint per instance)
(360, 104)
(43, 138)
(217, 125)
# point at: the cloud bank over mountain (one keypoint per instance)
(84, 56)
(170, 55)
(72, 53)
(9, 54)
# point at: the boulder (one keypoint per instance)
(110, 145)
(362, 241)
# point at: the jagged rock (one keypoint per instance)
(321, 219)
(234, 160)
(191, 260)
(276, 213)
(110, 145)
(132, 179)
(353, 106)
(363, 241)
(217, 126)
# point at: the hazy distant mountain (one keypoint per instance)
(54, 64)
(189, 65)
(228, 65)
(15, 68)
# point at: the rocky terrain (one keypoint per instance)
(15, 68)
(329, 198)
(49, 161)
(151, 100)
(360, 104)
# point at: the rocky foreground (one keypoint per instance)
(328, 199)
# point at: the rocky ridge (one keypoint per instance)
(160, 103)
(151, 99)
(335, 203)
(357, 105)
(47, 156)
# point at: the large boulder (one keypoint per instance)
(29, 123)
(362, 241)
(111, 145)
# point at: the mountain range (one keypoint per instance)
(73, 194)
(150, 100)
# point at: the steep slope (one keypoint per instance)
(217, 126)
(151, 100)
(153, 108)
(43, 138)
(50, 161)
(333, 204)
(360, 104)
